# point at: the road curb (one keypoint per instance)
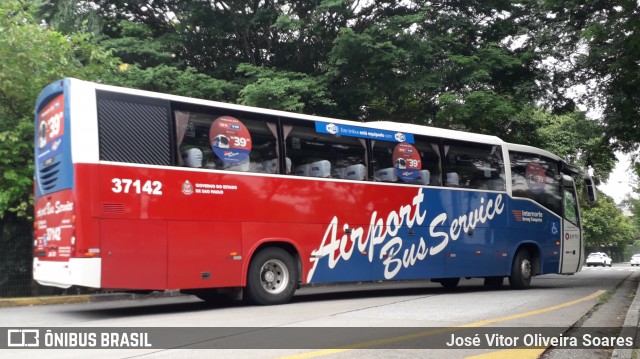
(630, 326)
(70, 299)
(29, 301)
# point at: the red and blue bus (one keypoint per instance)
(141, 191)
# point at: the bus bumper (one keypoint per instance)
(77, 271)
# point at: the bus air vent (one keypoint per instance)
(49, 175)
(115, 208)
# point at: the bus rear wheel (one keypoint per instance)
(272, 277)
(521, 271)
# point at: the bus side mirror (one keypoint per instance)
(591, 188)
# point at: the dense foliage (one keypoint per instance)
(498, 67)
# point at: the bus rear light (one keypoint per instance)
(478, 252)
(557, 243)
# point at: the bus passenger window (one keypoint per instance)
(228, 140)
(192, 158)
(473, 165)
(323, 155)
(537, 178)
(411, 163)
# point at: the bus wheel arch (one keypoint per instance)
(273, 274)
(525, 265)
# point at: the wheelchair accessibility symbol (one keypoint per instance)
(554, 229)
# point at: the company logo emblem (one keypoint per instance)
(187, 188)
(528, 216)
(23, 337)
(332, 128)
(518, 215)
(228, 154)
(400, 137)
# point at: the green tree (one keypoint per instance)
(283, 90)
(606, 227)
(598, 43)
(170, 79)
(32, 57)
(574, 137)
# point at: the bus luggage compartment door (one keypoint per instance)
(134, 254)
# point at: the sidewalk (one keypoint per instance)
(630, 327)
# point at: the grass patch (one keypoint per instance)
(605, 297)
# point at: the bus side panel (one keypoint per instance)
(532, 223)
(204, 254)
(87, 209)
(134, 254)
(479, 254)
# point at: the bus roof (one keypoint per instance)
(435, 132)
(533, 150)
(381, 125)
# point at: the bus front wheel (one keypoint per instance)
(272, 277)
(521, 271)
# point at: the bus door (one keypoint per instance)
(572, 246)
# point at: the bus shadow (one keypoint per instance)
(186, 303)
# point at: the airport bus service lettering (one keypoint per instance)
(385, 233)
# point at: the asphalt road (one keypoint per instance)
(409, 314)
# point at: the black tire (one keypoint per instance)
(493, 282)
(449, 283)
(521, 271)
(272, 277)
